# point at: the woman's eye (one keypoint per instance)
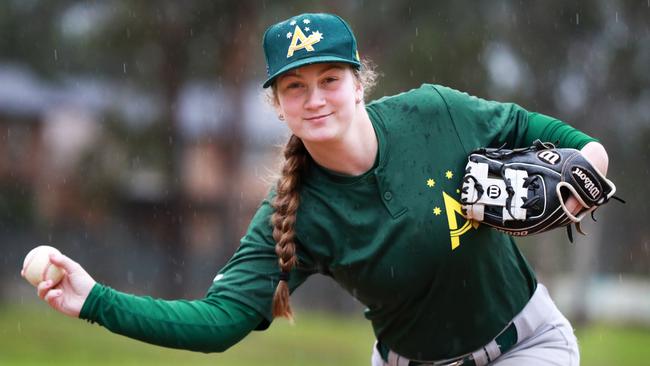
(330, 79)
(293, 85)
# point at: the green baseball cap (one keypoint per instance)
(308, 39)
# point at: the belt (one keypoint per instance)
(488, 353)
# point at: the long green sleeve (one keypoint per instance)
(484, 123)
(553, 130)
(212, 324)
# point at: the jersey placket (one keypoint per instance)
(388, 195)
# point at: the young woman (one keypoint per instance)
(368, 195)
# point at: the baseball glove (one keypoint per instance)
(523, 191)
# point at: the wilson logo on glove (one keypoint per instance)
(549, 156)
(587, 182)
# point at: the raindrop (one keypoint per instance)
(56, 55)
(616, 17)
(577, 19)
(416, 29)
(20, 329)
(124, 67)
(392, 272)
(620, 278)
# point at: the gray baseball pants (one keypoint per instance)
(545, 338)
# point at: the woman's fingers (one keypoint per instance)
(573, 205)
(43, 288)
(69, 295)
(52, 296)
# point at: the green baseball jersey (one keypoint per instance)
(435, 285)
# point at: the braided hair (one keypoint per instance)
(286, 204)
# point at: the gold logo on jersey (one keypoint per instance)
(453, 207)
(453, 212)
(300, 41)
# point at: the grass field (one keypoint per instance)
(36, 335)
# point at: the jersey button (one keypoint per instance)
(388, 195)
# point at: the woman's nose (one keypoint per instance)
(315, 99)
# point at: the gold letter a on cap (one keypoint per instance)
(305, 42)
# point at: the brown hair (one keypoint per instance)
(287, 199)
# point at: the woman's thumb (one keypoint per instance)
(64, 262)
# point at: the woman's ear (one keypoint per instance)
(358, 92)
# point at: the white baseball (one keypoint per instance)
(37, 266)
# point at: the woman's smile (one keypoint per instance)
(318, 118)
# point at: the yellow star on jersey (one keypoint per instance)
(431, 182)
(449, 174)
(437, 211)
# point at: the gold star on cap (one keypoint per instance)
(431, 182)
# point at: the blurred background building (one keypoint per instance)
(136, 137)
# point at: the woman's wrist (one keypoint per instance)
(89, 307)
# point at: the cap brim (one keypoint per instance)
(308, 61)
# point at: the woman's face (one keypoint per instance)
(319, 101)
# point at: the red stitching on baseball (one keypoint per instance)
(45, 269)
(29, 260)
